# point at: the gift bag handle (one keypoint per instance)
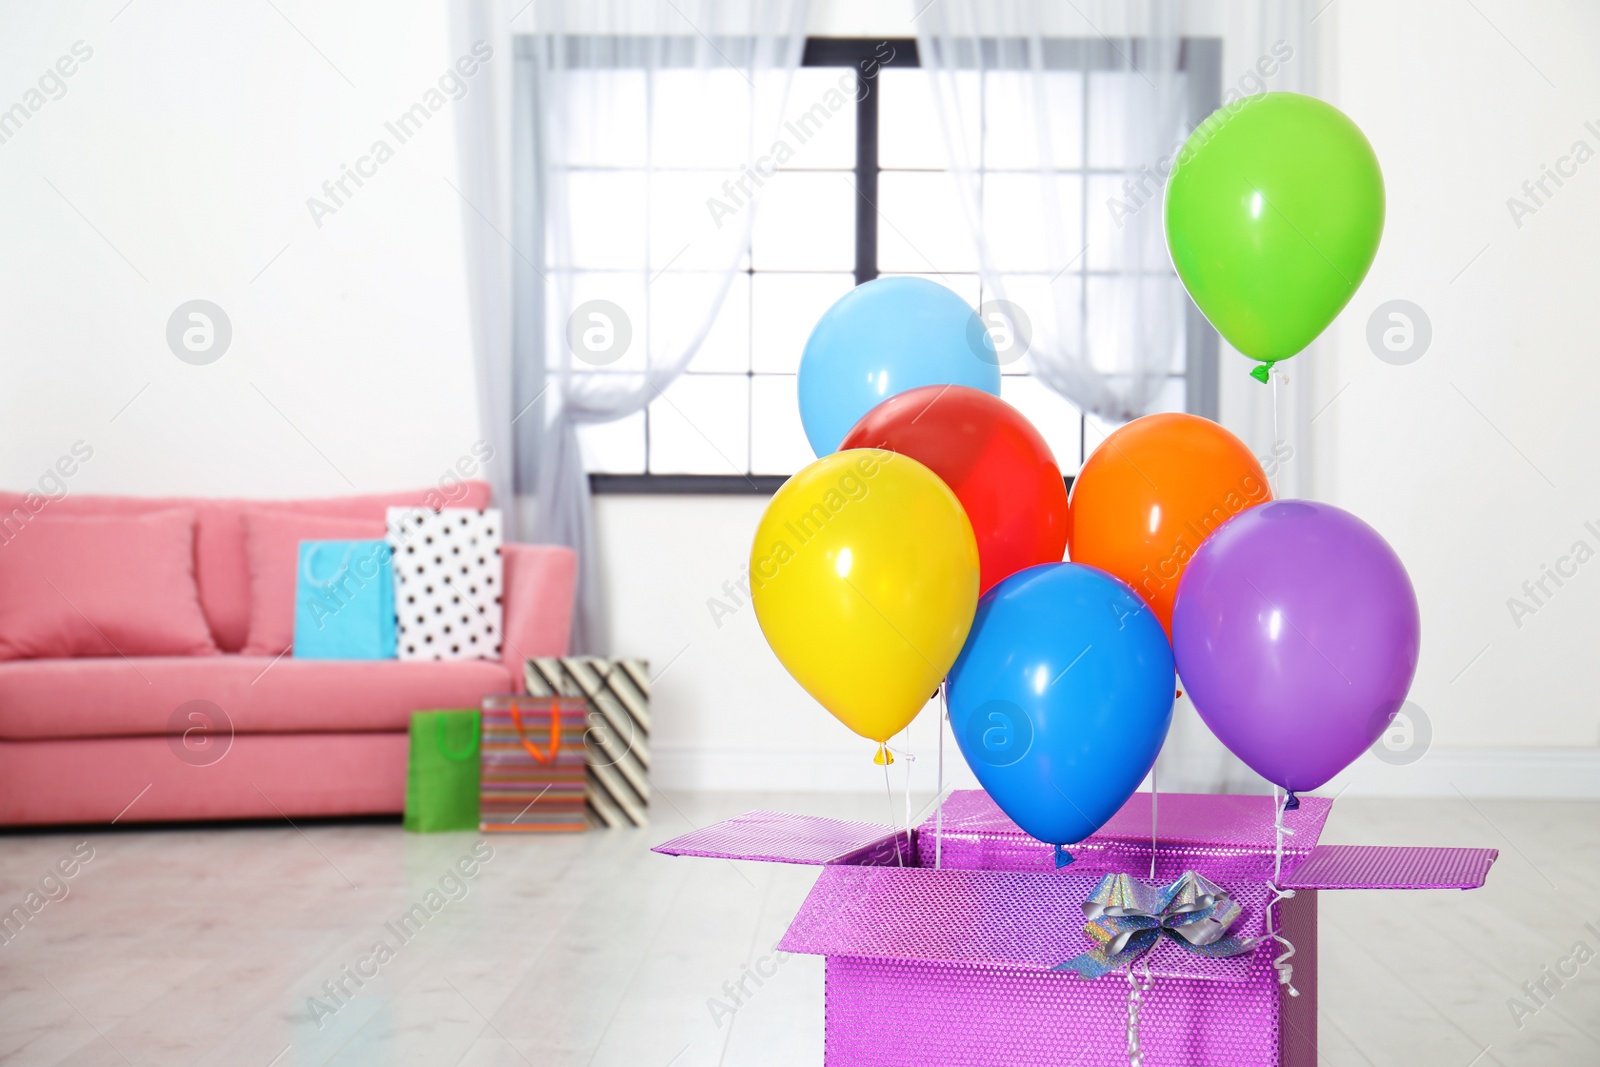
(472, 748)
(555, 732)
(309, 573)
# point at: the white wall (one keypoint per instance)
(193, 136)
(176, 166)
(1477, 460)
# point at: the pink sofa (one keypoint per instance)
(86, 740)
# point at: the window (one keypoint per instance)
(863, 195)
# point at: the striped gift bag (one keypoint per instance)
(615, 694)
(533, 771)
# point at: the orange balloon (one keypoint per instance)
(1153, 491)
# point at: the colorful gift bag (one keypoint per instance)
(533, 768)
(615, 728)
(344, 601)
(447, 582)
(442, 773)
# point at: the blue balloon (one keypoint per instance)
(1062, 697)
(882, 338)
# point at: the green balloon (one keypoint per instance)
(1273, 214)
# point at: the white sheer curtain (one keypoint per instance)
(639, 139)
(1066, 106)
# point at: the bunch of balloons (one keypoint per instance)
(926, 545)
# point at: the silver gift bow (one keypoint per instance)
(1128, 918)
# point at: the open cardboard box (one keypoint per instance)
(941, 943)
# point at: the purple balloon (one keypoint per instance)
(1296, 634)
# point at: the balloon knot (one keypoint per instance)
(1293, 803)
(883, 757)
(1262, 373)
(1063, 857)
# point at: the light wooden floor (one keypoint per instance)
(203, 946)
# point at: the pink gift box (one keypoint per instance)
(954, 966)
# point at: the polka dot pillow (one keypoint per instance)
(447, 582)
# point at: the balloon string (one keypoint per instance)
(905, 740)
(888, 792)
(1284, 967)
(1273, 371)
(1155, 792)
(938, 814)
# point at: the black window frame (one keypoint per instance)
(1200, 58)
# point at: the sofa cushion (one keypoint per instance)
(120, 585)
(134, 697)
(272, 550)
(221, 569)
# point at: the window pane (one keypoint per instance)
(700, 118)
(920, 224)
(784, 309)
(806, 221)
(909, 132)
(1125, 228)
(676, 303)
(778, 442)
(1174, 395)
(1124, 312)
(695, 223)
(1052, 414)
(701, 425)
(1013, 206)
(1115, 96)
(614, 447)
(607, 321)
(606, 219)
(1011, 120)
(608, 129)
(819, 121)
(1054, 308)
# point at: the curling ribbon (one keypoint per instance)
(1284, 967)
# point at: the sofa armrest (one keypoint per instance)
(536, 608)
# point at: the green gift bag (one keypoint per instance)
(442, 774)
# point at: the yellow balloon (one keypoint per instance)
(864, 575)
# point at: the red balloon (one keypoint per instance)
(992, 458)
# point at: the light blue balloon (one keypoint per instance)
(1062, 697)
(882, 338)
